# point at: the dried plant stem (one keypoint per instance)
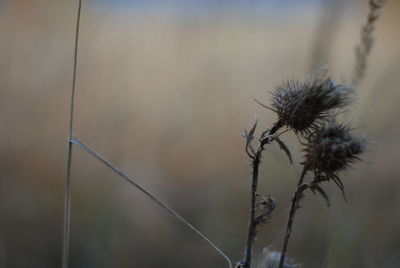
(252, 226)
(364, 48)
(295, 203)
(67, 209)
(256, 160)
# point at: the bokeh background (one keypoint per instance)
(164, 90)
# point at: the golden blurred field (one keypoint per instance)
(164, 93)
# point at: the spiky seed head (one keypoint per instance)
(300, 105)
(331, 149)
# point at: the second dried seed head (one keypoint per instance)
(331, 149)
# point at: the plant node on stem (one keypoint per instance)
(255, 155)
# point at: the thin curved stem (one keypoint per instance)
(150, 195)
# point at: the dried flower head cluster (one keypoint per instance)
(332, 148)
(309, 107)
(302, 105)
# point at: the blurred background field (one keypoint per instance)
(164, 91)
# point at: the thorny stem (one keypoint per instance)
(256, 160)
(297, 194)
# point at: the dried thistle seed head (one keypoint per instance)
(331, 148)
(300, 105)
(270, 259)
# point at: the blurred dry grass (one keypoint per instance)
(165, 96)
